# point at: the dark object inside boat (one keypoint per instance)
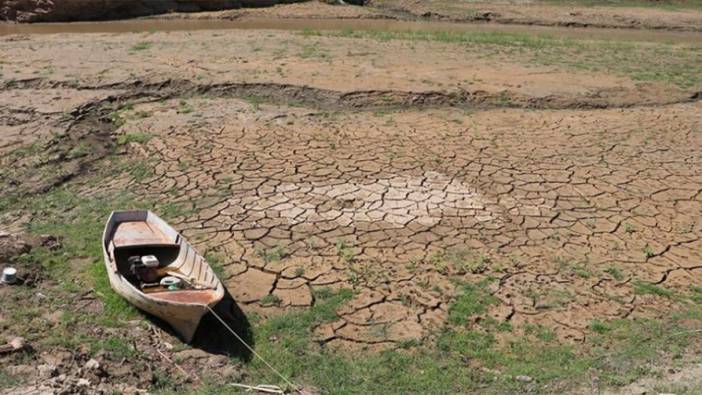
(146, 267)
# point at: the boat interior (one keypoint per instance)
(133, 242)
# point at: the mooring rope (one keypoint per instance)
(285, 379)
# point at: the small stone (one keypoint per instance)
(92, 364)
(168, 346)
(83, 383)
(47, 370)
(18, 343)
(309, 390)
(216, 361)
(56, 357)
(524, 379)
(192, 353)
(232, 373)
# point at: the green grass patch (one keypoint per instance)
(78, 151)
(275, 254)
(696, 293)
(185, 107)
(141, 46)
(617, 351)
(254, 101)
(345, 251)
(462, 260)
(475, 38)
(7, 380)
(118, 347)
(680, 65)
(216, 262)
(134, 137)
(615, 273)
(313, 51)
(271, 300)
(472, 300)
(646, 288)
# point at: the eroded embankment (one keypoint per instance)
(375, 99)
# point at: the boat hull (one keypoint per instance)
(184, 319)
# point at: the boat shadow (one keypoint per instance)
(213, 337)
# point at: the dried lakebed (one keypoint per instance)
(566, 210)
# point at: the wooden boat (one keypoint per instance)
(133, 237)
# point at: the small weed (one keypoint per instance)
(353, 278)
(599, 327)
(411, 266)
(271, 300)
(540, 332)
(313, 51)
(504, 98)
(629, 228)
(140, 171)
(580, 269)
(615, 273)
(216, 261)
(172, 210)
(410, 343)
(142, 46)
(7, 380)
(78, 151)
(135, 137)
(463, 261)
(648, 252)
(184, 165)
(142, 114)
(299, 272)
(311, 243)
(254, 101)
(645, 288)
(345, 252)
(438, 261)
(118, 347)
(504, 326)
(696, 293)
(275, 254)
(472, 300)
(185, 107)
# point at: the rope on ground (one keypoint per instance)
(270, 388)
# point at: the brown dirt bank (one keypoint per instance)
(531, 13)
(56, 11)
(541, 14)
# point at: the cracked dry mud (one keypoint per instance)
(370, 201)
(328, 193)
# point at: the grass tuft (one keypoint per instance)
(646, 288)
